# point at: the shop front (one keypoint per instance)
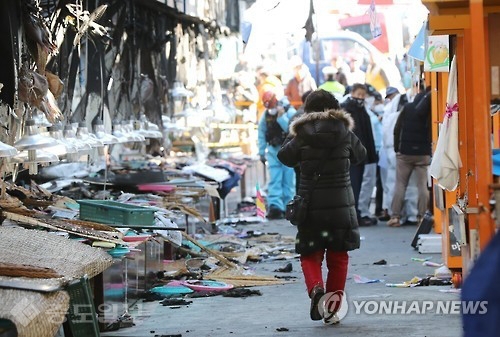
(464, 215)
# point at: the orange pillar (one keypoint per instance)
(436, 118)
(480, 93)
(466, 137)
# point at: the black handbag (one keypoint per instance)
(296, 210)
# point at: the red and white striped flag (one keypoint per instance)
(259, 203)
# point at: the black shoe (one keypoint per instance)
(367, 221)
(410, 223)
(383, 216)
(370, 221)
(275, 213)
(316, 294)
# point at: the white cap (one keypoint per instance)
(329, 70)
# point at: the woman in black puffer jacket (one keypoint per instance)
(331, 224)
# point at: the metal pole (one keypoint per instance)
(317, 46)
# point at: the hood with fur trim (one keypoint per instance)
(306, 117)
(322, 129)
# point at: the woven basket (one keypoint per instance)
(68, 258)
(34, 314)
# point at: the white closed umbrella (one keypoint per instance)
(446, 161)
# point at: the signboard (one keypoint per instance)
(437, 55)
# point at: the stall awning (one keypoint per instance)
(447, 5)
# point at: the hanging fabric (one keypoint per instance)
(446, 161)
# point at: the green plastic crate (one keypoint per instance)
(116, 213)
(82, 320)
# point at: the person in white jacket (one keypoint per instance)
(387, 157)
(375, 111)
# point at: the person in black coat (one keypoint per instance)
(323, 136)
(412, 144)
(355, 106)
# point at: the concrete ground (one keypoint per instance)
(286, 307)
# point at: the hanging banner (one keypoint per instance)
(437, 55)
(417, 49)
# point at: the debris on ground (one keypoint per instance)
(432, 264)
(443, 273)
(241, 292)
(285, 277)
(241, 278)
(286, 269)
(421, 282)
(152, 297)
(174, 302)
(380, 262)
(203, 285)
(362, 280)
(235, 292)
(201, 294)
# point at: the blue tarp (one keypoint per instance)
(496, 162)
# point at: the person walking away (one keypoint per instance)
(272, 131)
(331, 84)
(323, 136)
(370, 172)
(301, 82)
(355, 106)
(412, 144)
